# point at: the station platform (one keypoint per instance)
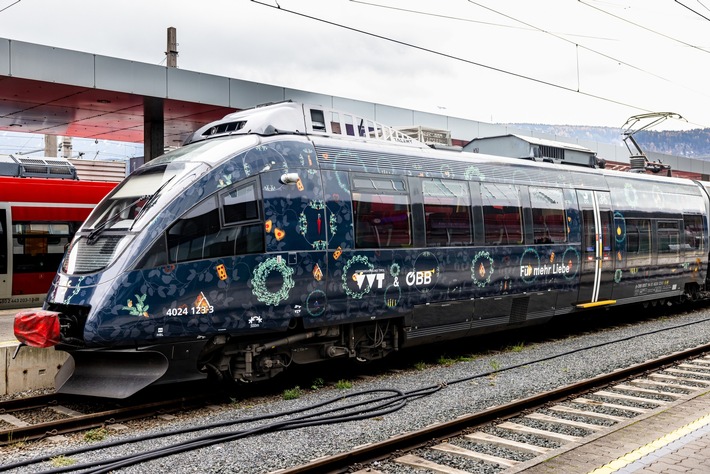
(7, 336)
(32, 368)
(671, 439)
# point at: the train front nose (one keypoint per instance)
(110, 374)
(37, 328)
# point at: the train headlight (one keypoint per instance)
(290, 178)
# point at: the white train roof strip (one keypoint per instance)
(291, 117)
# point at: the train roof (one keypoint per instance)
(327, 126)
(36, 167)
(292, 118)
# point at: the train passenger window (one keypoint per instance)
(693, 232)
(668, 237)
(240, 204)
(502, 216)
(186, 238)
(40, 246)
(549, 219)
(381, 213)
(638, 237)
(447, 210)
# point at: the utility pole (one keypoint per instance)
(172, 52)
(50, 146)
(66, 147)
(153, 113)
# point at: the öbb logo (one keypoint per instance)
(420, 278)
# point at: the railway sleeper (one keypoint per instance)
(535, 442)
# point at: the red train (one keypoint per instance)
(38, 218)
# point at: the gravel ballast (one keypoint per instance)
(272, 451)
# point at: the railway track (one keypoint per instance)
(418, 444)
(42, 416)
(529, 428)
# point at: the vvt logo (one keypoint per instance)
(374, 279)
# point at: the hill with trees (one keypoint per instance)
(689, 143)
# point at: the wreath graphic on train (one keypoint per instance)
(262, 272)
(315, 208)
(357, 259)
(529, 262)
(572, 259)
(315, 303)
(619, 228)
(482, 268)
(631, 195)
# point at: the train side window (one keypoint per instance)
(668, 237)
(502, 215)
(548, 213)
(39, 246)
(241, 221)
(638, 238)
(186, 238)
(157, 256)
(589, 234)
(382, 215)
(240, 204)
(447, 210)
(693, 232)
(211, 230)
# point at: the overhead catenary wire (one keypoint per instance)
(692, 10)
(578, 45)
(486, 66)
(449, 17)
(531, 27)
(650, 30)
(703, 5)
(10, 5)
(456, 58)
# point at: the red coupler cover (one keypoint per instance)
(37, 328)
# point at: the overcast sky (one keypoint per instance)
(586, 62)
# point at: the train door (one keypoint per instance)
(5, 252)
(597, 275)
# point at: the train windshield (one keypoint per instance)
(131, 202)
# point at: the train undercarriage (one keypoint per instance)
(119, 373)
(248, 361)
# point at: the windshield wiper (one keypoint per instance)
(151, 200)
(94, 234)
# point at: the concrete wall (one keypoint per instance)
(32, 369)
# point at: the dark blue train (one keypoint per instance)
(290, 234)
